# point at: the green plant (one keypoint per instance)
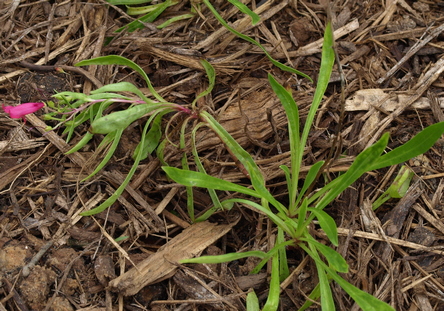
(397, 189)
(151, 12)
(292, 221)
(303, 208)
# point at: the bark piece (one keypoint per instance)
(191, 242)
(366, 99)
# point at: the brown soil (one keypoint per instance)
(53, 259)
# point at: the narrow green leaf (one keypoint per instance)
(302, 214)
(327, 62)
(244, 9)
(152, 138)
(273, 217)
(224, 258)
(211, 74)
(272, 302)
(272, 252)
(309, 179)
(252, 302)
(327, 302)
(246, 38)
(364, 300)
(314, 295)
(214, 197)
(292, 112)
(116, 138)
(327, 224)
(287, 173)
(121, 87)
(197, 179)
(245, 158)
(122, 119)
(85, 139)
(414, 147)
(333, 257)
(119, 60)
(175, 19)
(362, 164)
(115, 196)
(137, 10)
(284, 272)
(148, 18)
(121, 238)
(127, 2)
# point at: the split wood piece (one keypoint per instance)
(415, 48)
(366, 99)
(404, 34)
(9, 146)
(254, 107)
(190, 243)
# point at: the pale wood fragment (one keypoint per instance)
(368, 98)
(190, 243)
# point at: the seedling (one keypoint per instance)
(292, 220)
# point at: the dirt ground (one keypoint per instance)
(51, 258)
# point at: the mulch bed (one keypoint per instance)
(53, 259)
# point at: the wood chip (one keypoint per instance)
(366, 99)
(190, 243)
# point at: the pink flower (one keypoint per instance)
(20, 111)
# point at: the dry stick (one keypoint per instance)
(429, 217)
(427, 80)
(415, 48)
(27, 269)
(49, 35)
(373, 236)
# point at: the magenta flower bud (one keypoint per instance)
(20, 111)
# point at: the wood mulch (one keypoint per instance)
(53, 259)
